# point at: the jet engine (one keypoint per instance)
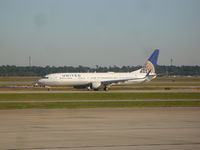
(96, 85)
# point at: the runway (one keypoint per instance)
(100, 129)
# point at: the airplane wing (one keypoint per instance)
(107, 82)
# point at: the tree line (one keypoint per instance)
(161, 70)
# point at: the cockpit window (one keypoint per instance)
(45, 77)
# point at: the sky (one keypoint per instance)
(99, 32)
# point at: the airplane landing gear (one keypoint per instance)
(105, 88)
(89, 88)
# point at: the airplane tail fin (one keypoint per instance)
(150, 65)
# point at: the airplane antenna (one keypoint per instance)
(29, 60)
(171, 62)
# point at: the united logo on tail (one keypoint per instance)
(150, 65)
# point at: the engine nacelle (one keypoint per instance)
(96, 85)
(81, 86)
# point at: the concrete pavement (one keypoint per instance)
(100, 129)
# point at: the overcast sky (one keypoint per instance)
(99, 32)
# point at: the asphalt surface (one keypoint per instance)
(100, 129)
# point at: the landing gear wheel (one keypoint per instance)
(89, 88)
(105, 88)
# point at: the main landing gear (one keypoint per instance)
(105, 88)
(96, 89)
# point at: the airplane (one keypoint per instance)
(96, 81)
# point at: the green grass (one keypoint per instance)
(41, 97)
(50, 105)
(175, 79)
(17, 79)
(96, 96)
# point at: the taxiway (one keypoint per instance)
(100, 129)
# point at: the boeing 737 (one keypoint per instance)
(96, 81)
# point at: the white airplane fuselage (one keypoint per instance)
(95, 79)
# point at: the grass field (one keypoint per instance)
(18, 79)
(41, 98)
(44, 105)
(96, 96)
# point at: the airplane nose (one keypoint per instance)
(37, 83)
(40, 82)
